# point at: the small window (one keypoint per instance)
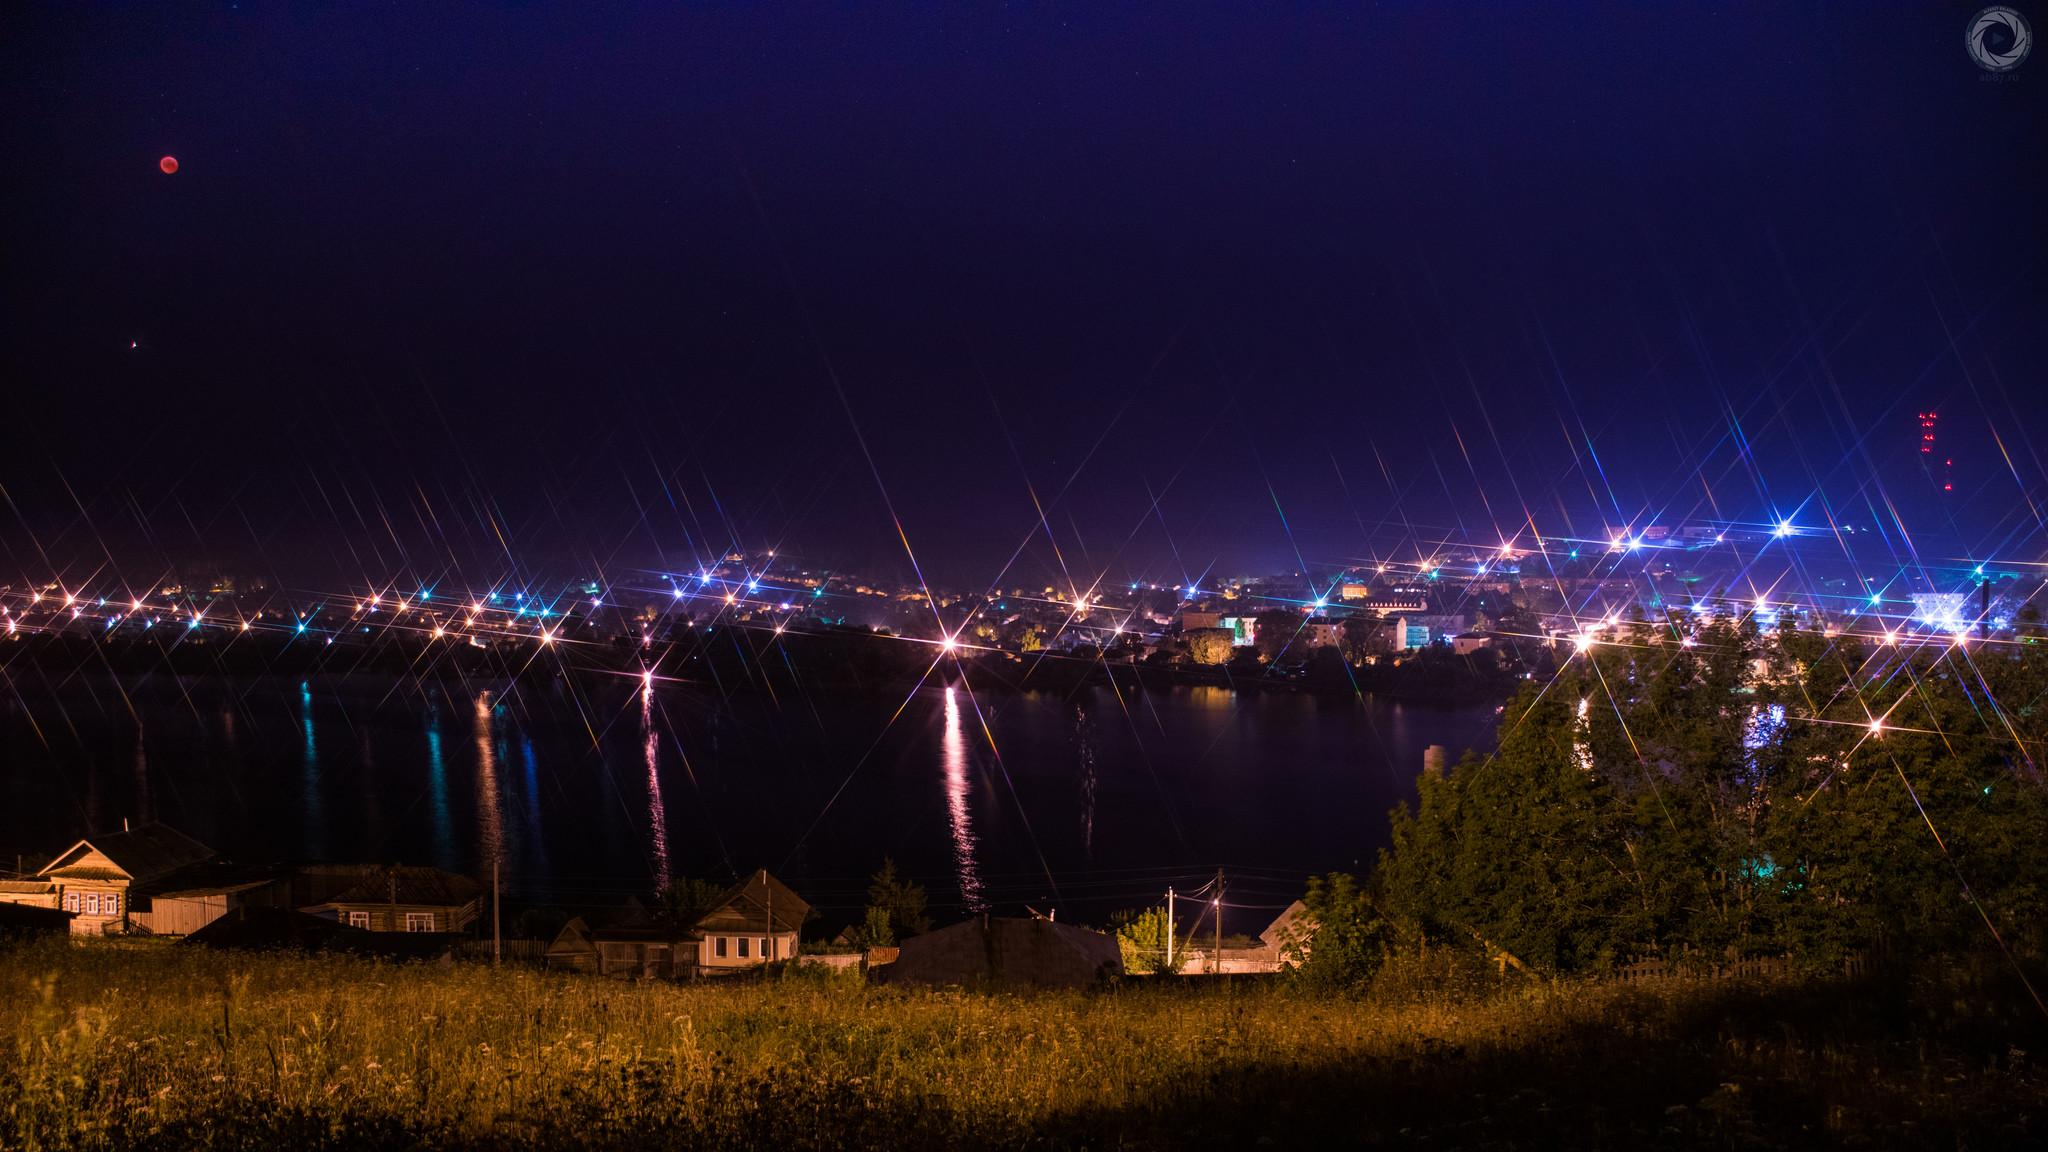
(92, 903)
(743, 947)
(718, 948)
(71, 901)
(359, 919)
(110, 904)
(419, 921)
(765, 953)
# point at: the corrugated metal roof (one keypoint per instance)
(140, 853)
(746, 907)
(413, 885)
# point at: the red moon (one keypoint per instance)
(169, 164)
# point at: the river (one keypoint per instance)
(1079, 804)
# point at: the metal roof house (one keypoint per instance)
(94, 878)
(405, 898)
(752, 923)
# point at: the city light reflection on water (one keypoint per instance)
(967, 873)
(616, 789)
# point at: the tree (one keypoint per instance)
(901, 901)
(1141, 938)
(1362, 638)
(686, 899)
(1209, 645)
(1348, 941)
(1276, 630)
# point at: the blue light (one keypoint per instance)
(1876, 599)
(302, 627)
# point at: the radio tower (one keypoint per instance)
(1928, 454)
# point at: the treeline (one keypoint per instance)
(1722, 792)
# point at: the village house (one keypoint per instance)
(97, 878)
(405, 898)
(752, 923)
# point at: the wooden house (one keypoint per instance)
(96, 877)
(754, 922)
(405, 898)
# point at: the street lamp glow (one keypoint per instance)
(1876, 728)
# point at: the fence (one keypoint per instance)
(1731, 968)
(520, 951)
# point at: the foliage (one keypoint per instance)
(685, 899)
(1715, 792)
(119, 1045)
(1276, 631)
(1141, 937)
(902, 901)
(1348, 940)
(1209, 645)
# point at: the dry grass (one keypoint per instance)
(125, 1045)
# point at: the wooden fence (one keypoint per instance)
(1755, 968)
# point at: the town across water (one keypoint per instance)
(1075, 803)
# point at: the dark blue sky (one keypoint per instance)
(593, 285)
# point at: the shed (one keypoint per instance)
(185, 900)
(289, 930)
(626, 946)
(1030, 953)
(27, 921)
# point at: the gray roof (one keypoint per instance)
(746, 907)
(143, 853)
(405, 884)
(1036, 953)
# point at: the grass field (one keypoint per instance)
(145, 1045)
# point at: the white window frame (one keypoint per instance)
(718, 947)
(110, 903)
(419, 921)
(359, 919)
(92, 903)
(743, 948)
(767, 951)
(71, 903)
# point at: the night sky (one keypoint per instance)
(597, 288)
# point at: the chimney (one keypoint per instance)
(124, 824)
(1433, 759)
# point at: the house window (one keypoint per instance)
(92, 903)
(718, 949)
(110, 904)
(765, 953)
(419, 921)
(71, 901)
(359, 919)
(743, 947)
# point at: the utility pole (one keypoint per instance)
(1169, 929)
(1218, 965)
(497, 937)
